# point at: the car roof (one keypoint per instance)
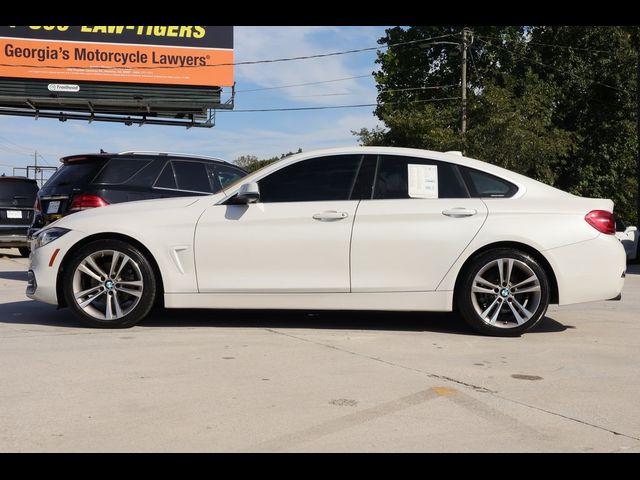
(144, 154)
(17, 178)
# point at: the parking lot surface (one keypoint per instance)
(227, 381)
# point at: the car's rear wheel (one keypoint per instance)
(24, 251)
(109, 284)
(504, 292)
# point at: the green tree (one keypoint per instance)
(251, 163)
(555, 103)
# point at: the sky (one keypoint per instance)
(264, 134)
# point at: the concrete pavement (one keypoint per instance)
(224, 381)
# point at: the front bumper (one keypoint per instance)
(44, 268)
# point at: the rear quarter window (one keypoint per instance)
(485, 185)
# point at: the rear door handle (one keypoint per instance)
(459, 212)
(330, 216)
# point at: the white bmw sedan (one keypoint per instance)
(362, 228)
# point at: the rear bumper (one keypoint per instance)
(13, 240)
(589, 271)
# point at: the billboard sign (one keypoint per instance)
(197, 56)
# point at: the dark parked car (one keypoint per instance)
(99, 179)
(17, 195)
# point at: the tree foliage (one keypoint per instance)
(554, 103)
(251, 163)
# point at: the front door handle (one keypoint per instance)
(330, 216)
(460, 212)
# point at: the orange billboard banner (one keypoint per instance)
(166, 55)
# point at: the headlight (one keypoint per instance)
(43, 237)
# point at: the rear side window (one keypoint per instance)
(482, 184)
(120, 170)
(191, 176)
(166, 179)
(393, 178)
(317, 179)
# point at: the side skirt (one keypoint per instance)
(440, 301)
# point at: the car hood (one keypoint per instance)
(138, 213)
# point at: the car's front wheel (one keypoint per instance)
(109, 284)
(503, 292)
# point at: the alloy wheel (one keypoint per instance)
(107, 285)
(506, 293)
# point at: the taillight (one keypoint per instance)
(37, 207)
(602, 221)
(86, 201)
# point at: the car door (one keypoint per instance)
(418, 221)
(295, 239)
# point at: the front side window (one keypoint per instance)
(409, 177)
(227, 175)
(317, 179)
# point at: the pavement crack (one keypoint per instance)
(477, 388)
(567, 417)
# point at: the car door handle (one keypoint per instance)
(460, 212)
(330, 216)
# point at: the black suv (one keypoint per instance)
(99, 179)
(17, 195)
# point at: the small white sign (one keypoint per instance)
(14, 214)
(53, 206)
(63, 87)
(423, 181)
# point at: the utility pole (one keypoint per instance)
(35, 163)
(463, 47)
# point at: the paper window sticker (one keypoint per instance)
(423, 181)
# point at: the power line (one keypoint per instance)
(292, 109)
(389, 90)
(302, 84)
(45, 160)
(251, 62)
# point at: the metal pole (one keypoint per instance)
(463, 46)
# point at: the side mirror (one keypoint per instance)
(248, 193)
(632, 229)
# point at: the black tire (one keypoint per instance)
(148, 293)
(468, 302)
(24, 251)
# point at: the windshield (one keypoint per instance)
(11, 189)
(72, 174)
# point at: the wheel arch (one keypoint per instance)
(536, 254)
(109, 236)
